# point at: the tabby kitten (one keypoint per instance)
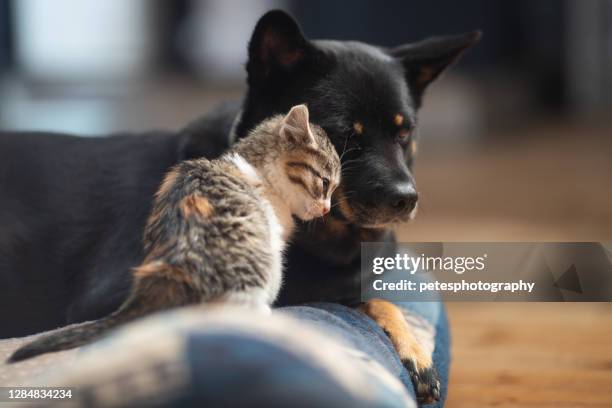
(218, 228)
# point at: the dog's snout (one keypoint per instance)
(402, 197)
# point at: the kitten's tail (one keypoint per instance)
(150, 294)
(70, 337)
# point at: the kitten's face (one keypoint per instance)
(312, 175)
(311, 166)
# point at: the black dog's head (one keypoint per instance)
(365, 97)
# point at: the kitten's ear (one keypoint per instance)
(295, 126)
(277, 43)
(424, 61)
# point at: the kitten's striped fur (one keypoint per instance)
(218, 228)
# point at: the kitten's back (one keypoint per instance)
(207, 215)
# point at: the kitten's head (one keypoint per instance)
(310, 165)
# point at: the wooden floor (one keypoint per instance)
(531, 355)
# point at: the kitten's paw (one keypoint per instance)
(425, 380)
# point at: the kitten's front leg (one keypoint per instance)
(418, 362)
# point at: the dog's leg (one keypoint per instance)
(418, 362)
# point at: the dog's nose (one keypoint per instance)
(402, 197)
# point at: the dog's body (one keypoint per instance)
(73, 210)
(72, 215)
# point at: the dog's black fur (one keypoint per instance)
(72, 209)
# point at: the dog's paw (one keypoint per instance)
(414, 357)
(425, 380)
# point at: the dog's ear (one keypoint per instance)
(424, 61)
(277, 43)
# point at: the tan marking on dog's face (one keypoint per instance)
(343, 204)
(358, 127)
(197, 205)
(335, 227)
(413, 147)
(398, 120)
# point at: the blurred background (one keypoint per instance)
(516, 140)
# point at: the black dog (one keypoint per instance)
(73, 209)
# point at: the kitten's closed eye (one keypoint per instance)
(325, 185)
